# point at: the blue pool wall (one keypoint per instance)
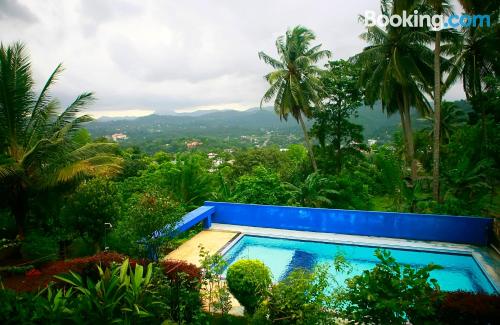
(431, 227)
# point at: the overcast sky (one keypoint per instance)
(159, 56)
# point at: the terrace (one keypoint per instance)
(289, 237)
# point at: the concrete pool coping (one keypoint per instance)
(487, 259)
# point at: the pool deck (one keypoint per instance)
(212, 240)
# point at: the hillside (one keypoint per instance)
(228, 128)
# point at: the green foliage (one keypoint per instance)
(248, 281)
(39, 247)
(19, 308)
(295, 83)
(301, 298)
(391, 293)
(122, 293)
(216, 293)
(144, 215)
(333, 128)
(189, 182)
(262, 187)
(94, 203)
(38, 149)
(314, 192)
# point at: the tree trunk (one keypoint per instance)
(437, 118)
(308, 143)
(408, 135)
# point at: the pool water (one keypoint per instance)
(460, 272)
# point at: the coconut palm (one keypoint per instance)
(439, 7)
(477, 56)
(313, 192)
(396, 69)
(37, 150)
(451, 119)
(295, 84)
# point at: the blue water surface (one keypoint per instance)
(460, 272)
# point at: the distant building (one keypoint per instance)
(211, 155)
(119, 136)
(193, 144)
(217, 162)
(371, 142)
(284, 149)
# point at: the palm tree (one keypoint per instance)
(396, 69)
(313, 192)
(37, 149)
(477, 56)
(439, 7)
(451, 119)
(295, 84)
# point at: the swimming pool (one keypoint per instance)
(460, 271)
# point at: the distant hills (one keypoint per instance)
(261, 126)
(230, 123)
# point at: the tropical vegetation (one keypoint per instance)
(68, 197)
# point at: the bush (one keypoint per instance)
(391, 293)
(87, 266)
(16, 308)
(173, 270)
(39, 247)
(248, 281)
(301, 298)
(180, 288)
(469, 308)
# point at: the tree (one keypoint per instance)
(451, 119)
(439, 7)
(37, 148)
(150, 218)
(295, 84)
(476, 57)
(313, 192)
(262, 187)
(396, 69)
(336, 134)
(94, 203)
(188, 181)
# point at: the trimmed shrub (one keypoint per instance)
(248, 281)
(37, 246)
(461, 307)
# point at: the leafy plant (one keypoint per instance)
(216, 293)
(391, 293)
(248, 281)
(37, 148)
(39, 247)
(301, 298)
(121, 293)
(295, 82)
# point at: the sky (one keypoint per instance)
(140, 57)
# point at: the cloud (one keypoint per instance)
(170, 55)
(12, 9)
